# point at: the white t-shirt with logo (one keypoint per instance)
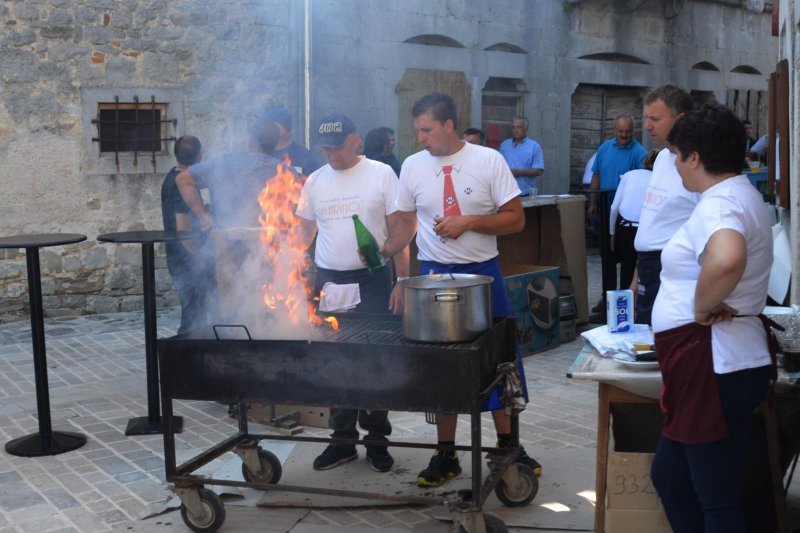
(331, 198)
(667, 205)
(482, 183)
(731, 204)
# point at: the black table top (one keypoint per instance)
(39, 240)
(143, 237)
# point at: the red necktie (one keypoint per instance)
(450, 200)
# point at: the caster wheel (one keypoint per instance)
(521, 495)
(271, 469)
(493, 524)
(213, 513)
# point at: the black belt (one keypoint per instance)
(356, 272)
(656, 253)
(625, 223)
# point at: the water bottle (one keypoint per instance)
(368, 247)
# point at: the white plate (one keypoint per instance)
(641, 365)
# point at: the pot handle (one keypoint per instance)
(446, 297)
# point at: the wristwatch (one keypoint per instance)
(401, 278)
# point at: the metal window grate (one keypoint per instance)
(133, 128)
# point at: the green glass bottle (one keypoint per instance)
(368, 247)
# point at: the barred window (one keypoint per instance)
(134, 129)
(130, 130)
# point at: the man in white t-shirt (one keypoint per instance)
(463, 196)
(667, 204)
(350, 184)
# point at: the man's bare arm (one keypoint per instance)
(402, 228)
(188, 189)
(308, 230)
(183, 222)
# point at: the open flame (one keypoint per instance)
(288, 290)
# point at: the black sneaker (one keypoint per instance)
(334, 456)
(379, 458)
(443, 466)
(527, 460)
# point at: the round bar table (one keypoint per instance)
(151, 424)
(45, 441)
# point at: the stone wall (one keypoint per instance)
(219, 62)
(360, 55)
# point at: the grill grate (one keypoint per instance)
(379, 332)
(354, 328)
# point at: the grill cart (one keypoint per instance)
(365, 364)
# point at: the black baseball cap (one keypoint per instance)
(334, 129)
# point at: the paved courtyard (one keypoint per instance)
(97, 382)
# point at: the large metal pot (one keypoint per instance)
(446, 307)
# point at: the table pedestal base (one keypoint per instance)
(32, 445)
(146, 426)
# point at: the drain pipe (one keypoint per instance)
(307, 71)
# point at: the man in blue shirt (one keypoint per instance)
(615, 157)
(523, 155)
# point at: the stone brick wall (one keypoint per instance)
(561, 43)
(224, 61)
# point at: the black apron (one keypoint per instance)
(689, 398)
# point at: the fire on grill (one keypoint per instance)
(263, 272)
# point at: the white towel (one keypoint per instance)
(335, 297)
(609, 344)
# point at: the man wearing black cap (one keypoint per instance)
(298, 155)
(351, 184)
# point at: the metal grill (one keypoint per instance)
(379, 332)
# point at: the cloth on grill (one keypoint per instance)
(336, 297)
(513, 398)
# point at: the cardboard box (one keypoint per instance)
(627, 521)
(628, 484)
(632, 503)
(534, 295)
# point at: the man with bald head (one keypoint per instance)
(615, 157)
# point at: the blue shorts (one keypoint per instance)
(501, 307)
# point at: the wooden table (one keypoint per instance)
(610, 392)
(607, 394)
(45, 441)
